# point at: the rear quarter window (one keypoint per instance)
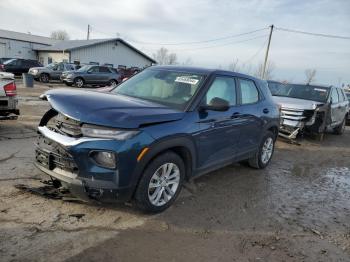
(249, 91)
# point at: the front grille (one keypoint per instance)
(51, 155)
(296, 114)
(67, 126)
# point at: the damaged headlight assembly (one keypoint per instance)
(106, 132)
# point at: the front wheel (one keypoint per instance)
(44, 78)
(161, 183)
(79, 82)
(263, 156)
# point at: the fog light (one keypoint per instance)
(104, 158)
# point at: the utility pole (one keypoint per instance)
(88, 33)
(267, 52)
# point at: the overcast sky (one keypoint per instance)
(157, 21)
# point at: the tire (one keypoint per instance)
(259, 161)
(79, 82)
(44, 78)
(341, 128)
(113, 83)
(69, 84)
(146, 195)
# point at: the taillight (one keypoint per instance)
(10, 89)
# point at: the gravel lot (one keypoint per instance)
(297, 209)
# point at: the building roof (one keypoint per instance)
(26, 37)
(69, 45)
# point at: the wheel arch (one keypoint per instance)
(182, 146)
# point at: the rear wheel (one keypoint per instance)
(161, 183)
(45, 78)
(263, 156)
(79, 82)
(341, 128)
(113, 83)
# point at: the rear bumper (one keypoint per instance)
(8, 108)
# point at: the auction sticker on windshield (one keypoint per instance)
(319, 89)
(186, 80)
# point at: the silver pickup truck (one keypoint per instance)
(8, 100)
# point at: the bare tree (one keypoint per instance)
(163, 57)
(188, 61)
(59, 35)
(310, 75)
(270, 67)
(233, 66)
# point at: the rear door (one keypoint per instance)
(343, 104)
(57, 71)
(335, 107)
(250, 113)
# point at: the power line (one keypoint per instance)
(219, 45)
(199, 42)
(313, 34)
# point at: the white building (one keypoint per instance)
(20, 45)
(113, 51)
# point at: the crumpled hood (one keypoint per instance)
(108, 109)
(296, 103)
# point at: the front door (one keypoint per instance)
(218, 131)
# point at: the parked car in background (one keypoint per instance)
(4, 59)
(348, 97)
(51, 72)
(91, 75)
(128, 72)
(8, 100)
(310, 108)
(18, 66)
(142, 139)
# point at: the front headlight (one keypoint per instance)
(34, 71)
(106, 132)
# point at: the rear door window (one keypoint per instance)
(249, 91)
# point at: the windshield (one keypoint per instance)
(84, 68)
(9, 61)
(307, 92)
(170, 88)
(52, 65)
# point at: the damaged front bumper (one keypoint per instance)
(67, 160)
(298, 121)
(8, 108)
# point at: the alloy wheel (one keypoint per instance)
(267, 150)
(164, 184)
(79, 82)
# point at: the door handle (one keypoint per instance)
(266, 111)
(236, 115)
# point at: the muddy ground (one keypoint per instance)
(297, 209)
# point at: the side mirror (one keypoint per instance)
(217, 104)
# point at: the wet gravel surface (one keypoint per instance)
(297, 209)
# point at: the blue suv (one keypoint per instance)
(141, 140)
